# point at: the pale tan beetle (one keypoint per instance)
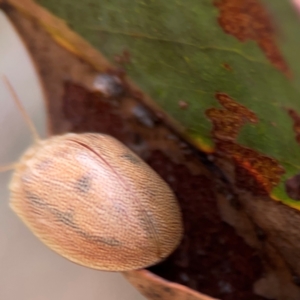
(92, 200)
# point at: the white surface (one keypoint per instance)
(28, 269)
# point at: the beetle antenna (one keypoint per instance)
(8, 167)
(22, 109)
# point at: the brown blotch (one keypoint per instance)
(249, 20)
(296, 118)
(253, 171)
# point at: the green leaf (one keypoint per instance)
(190, 51)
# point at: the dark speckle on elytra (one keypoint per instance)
(130, 157)
(145, 224)
(167, 290)
(34, 199)
(67, 218)
(64, 217)
(110, 241)
(140, 287)
(83, 184)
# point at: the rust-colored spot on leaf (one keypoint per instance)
(227, 122)
(296, 118)
(253, 171)
(227, 66)
(249, 20)
(236, 108)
